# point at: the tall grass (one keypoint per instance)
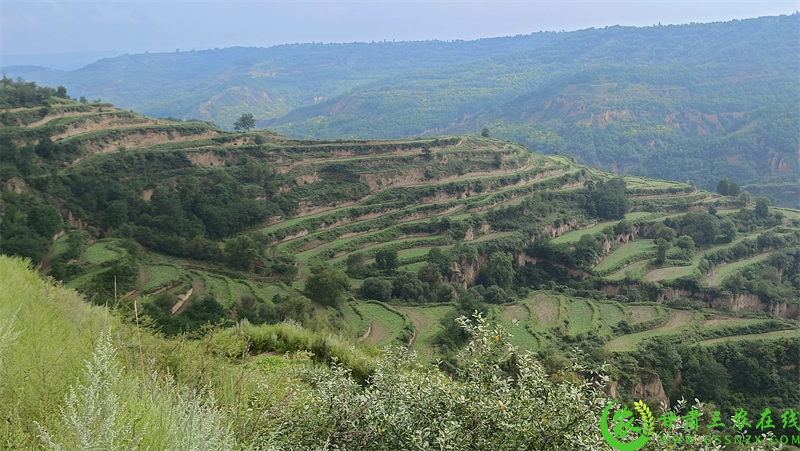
(64, 386)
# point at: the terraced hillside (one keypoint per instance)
(201, 225)
(303, 203)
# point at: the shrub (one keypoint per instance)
(375, 288)
(408, 406)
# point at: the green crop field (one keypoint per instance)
(633, 268)
(575, 235)
(641, 313)
(610, 315)
(676, 320)
(100, 252)
(719, 273)
(727, 321)
(520, 336)
(242, 290)
(792, 333)
(413, 267)
(579, 315)
(672, 272)
(625, 252)
(84, 279)
(219, 287)
(353, 319)
(158, 276)
(426, 325)
(385, 326)
(60, 246)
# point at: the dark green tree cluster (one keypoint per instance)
(327, 286)
(734, 375)
(200, 312)
(386, 263)
(15, 94)
(184, 220)
(727, 188)
(583, 253)
(28, 226)
(607, 200)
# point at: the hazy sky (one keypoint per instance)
(54, 27)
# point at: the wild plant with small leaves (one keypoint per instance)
(94, 416)
(499, 400)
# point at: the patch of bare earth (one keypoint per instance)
(378, 333)
(678, 318)
(514, 312)
(138, 139)
(142, 279)
(546, 308)
(50, 117)
(641, 313)
(181, 305)
(662, 273)
(719, 320)
(310, 245)
(93, 124)
(204, 159)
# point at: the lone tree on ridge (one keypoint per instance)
(245, 122)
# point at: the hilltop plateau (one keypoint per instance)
(266, 244)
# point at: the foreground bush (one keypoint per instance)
(499, 400)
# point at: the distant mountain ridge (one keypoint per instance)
(690, 102)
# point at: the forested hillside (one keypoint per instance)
(696, 102)
(231, 259)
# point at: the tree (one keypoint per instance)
(327, 285)
(386, 260)
(241, 252)
(375, 288)
(685, 242)
(722, 187)
(495, 295)
(245, 122)
(733, 189)
(701, 226)
(443, 293)
(744, 197)
(663, 247)
(667, 233)
(485, 132)
(587, 249)
(499, 270)
(356, 266)
(728, 230)
(762, 207)
(430, 274)
(408, 287)
(440, 259)
(45, 220)
(608, 200)
(116, 214)
(623, 228)
(21, 240)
